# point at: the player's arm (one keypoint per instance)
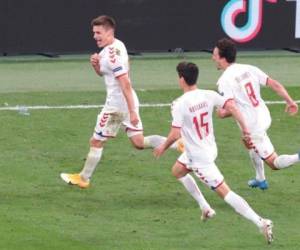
(222, 113)
(173, 136)
(231, 108)
(127, 92)
(95, 62)
(291, 106)
(224, 90)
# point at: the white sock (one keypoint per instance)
(284, 161)
(91, 162)
(153, 141)
(242, 207)
(258, 165)
(191, 186)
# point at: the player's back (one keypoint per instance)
(195, 109)
(243, 82)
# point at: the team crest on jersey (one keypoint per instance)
(118, 52)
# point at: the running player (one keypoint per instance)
(121, 108)
(192, 121)
(242, 82)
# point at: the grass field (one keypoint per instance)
(134, 203)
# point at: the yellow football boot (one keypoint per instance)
(75, 179)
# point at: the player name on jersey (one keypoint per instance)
(198, 106)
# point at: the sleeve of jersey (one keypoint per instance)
(225, 90)
(116, 65)
(218, 100)
(176, 115)
(261, 76)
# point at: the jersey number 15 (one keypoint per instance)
(201, 125)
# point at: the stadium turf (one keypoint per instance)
(133, 202)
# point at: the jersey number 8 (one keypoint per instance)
(251, 94)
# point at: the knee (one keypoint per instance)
(138, 146)
(137, 141)
(272, 166)
(96, 143)
(174, 173)
(271, 162)
(177, 172)
(223, 190)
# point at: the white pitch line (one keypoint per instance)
(144, 105)
(40, 107)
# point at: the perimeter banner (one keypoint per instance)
(57, 26)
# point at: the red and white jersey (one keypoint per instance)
(242, 83)
(114, 63)
(192, 112)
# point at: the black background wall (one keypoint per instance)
(63, 26)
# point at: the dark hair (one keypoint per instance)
(189, 71)
(106, 21)
(227, 49)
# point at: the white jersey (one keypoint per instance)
(192, 112)
(114, 62)
(242, 82)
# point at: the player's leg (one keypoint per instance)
(92, 159)
(136, 138)
(282, 161)
(135, 135)
(258, 164)
(182, 173)
(153, 141)
(107, 126)
(265, 150)
(83, 178)
(243, 208)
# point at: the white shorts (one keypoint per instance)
(110, 120)
(208, 173)
(262, 145)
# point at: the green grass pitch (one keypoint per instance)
(133, 203)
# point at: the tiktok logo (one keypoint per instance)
(297, 25)
(255, 15)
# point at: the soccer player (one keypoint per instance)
(121, 108)
(241, 82)
(192, 121)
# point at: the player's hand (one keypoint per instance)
(246, 139)
(158, 151)
(95, 62)
(94, 59)
(134, 120)
(292, 108)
